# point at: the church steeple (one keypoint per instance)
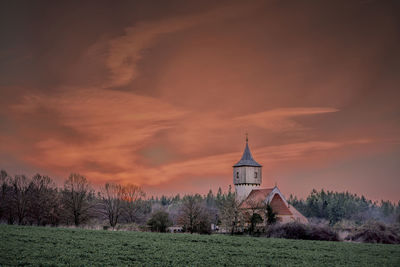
(246, 173)
(247, 158)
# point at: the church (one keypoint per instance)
(247, 178)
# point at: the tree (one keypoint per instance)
(192, 213)
(255, 206)
(42, 196)
(111, 196)
(20, 186)
(134, 206)
(164, 201)
(336, 206)
(4, 194)
(159, 221)
(54, 214)
(229, 213)
(270, 214)
(254, 220)
(204, 225)
(210, 199)
(77, 194)
(219, 195)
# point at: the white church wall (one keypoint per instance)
(242, 191)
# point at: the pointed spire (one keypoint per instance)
(247, 158)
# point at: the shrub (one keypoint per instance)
(322, 233)
(159, 221)
(295, 230)
(375, 232)
(345, 225)
(204, 226)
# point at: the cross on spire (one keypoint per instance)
(247, 137)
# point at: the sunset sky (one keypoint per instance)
(161, 93)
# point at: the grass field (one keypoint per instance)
(56, 246)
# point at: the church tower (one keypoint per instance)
(246, 174)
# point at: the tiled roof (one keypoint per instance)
(278, 206)
(298, 215)
(255, 198)
(247, 158)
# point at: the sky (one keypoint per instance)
(161, 93)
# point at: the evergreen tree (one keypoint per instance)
(270, 214)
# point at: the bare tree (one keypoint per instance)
(42, 195)
(20, 186)
(4, 188)
(134, 206)
(193, 215)
(254, 207)
(111, 196)
(54, 212)
(229, 213)
(77, 194)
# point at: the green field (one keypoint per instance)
(58, 246)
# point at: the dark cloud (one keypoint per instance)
(42, 123)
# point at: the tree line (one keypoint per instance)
(38, 201)
(338, 206)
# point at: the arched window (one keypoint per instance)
(237, 175)
(255, 174)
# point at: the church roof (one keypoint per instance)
(298, 215)
(256, 197)
(259, 197)
(247, 158)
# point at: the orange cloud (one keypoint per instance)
(126, 51)
(221, 164)
(120, 124)
(280, 119)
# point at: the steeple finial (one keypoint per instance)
(247, 137)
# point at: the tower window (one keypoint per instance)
(237, 175)
(255, 175)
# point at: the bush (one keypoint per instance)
(345, 225)
(322, 233)
(159, 222)
(295, 230)
(376, 232)
(204, 226)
